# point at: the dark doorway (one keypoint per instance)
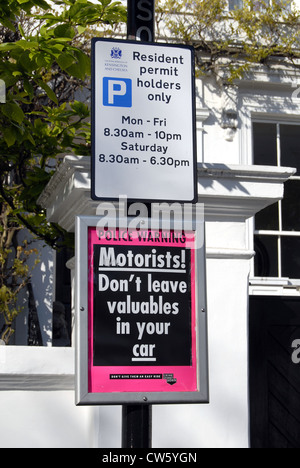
(62, 317)
(274, 372)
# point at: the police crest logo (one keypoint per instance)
(116, 53)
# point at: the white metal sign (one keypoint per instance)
(144, 126)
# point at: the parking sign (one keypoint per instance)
(143, 122)
(117, 92)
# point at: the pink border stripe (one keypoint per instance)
(99, 377)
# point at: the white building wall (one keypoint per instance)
(43, 420)
(39, 410)
(224, 422)
(48, 419)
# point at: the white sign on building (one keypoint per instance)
(144, 138)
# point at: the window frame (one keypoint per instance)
(259, 5)
(280, 233)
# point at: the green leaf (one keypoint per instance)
(42, 4)
(13, 111)
(7, 46)
(9, 135)
(64, 30)
(27, 44)
(21, 30)
(30, 138)
(39, 3)
(80, 108)
(65, 60)
(50, 93)
(7, 23)
(42, 60)
(81, 67)
(81, 29)
(26, 63)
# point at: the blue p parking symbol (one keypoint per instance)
(117, 92)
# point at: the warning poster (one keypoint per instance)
(142, 320)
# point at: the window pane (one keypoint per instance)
(235, 4)
(268, 219)
(291, 206)
(265, 144)
(290, 146)
(266, 258)
(260, 5)
(290, 257)
(286, 4)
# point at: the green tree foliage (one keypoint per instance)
(44, 60)
(237, 39)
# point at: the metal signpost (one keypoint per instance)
(140, 22)
(141, 292)
(137, 420)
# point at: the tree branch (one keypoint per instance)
(10, 202)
